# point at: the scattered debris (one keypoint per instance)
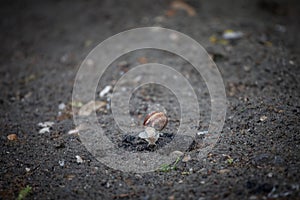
(280, 28)
(105, 91)
(62, 162)
(79, 160)
(186, 158)
(181, 5)
(61, 106)
(123, 64)
(142, 60)
(229, 161)
(76, 104)
(232, 35)
(150, 135)
(45, 124)
(29, 78)
(88, 43)
(202, 132)
(24, 192)
(214, 40)
(45, 127)
(223, 171)
(263, 118)
(12, 137)
(247, 68)
(90, 107)
(169, 167)
(73, 131)
(69, 176)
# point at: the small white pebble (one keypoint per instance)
(61, 163)
(61, 106)
(73, 131)
(202, 132)
(79, 160)
(27, 169)
(263, 118)
(105, 91)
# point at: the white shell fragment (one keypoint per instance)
(73, 131)
(105, 91)
(45, 130)
(45, 124)
(150, 135)
(45, 127)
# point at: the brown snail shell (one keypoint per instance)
(156, 120)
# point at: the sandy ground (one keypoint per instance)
(257, 155)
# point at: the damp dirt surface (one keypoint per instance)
(258, 153)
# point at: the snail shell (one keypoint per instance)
(156, 120)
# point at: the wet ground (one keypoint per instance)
(257, 155)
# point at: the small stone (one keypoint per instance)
(61, 163)
(270, 175)
(138, 176)
(177, 153)
(202, 182)
(186, 158)
(105, 91)
(263, 118)
(247, 68)
(79, 160)
(12, 137)
(27, 169)
(61, 106)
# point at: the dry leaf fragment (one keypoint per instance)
(181, 5)
(88, 108)
(12, 137)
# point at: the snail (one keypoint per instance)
(154, 123)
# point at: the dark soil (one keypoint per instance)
(258, 153)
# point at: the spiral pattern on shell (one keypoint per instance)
(156, 120)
